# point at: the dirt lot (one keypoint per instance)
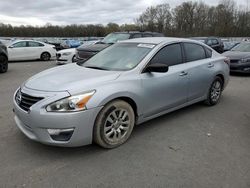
(197, 146)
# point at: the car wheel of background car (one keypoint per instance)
(214, 92)
(114, 124)
(3, 64)
(74, 59)
(45, 56)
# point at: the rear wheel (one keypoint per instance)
(215, 92)
(3, 64)
(45, 56)
(114, 124)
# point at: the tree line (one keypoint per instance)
(188, 19)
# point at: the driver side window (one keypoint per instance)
(169, 55)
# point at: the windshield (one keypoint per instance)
(114, 37)
(242, 47)
(119, 57)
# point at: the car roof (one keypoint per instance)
(26, 41)
(158, 40)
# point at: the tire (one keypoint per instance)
(114, 124)
(215, 91)
(74, 59)
(3, 64)
(45, 56)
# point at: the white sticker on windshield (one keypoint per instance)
(146, 45)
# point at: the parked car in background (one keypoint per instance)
(69, 55)
(21, 50)
(229, 45)
(239, 58)
(85, 52)
(128, 83)
(70, 44)
(66, 56)
(3, 58)
(214, 42)
(56, 43)
(90, 42)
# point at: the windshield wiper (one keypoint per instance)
(93, 67)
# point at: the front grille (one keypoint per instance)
(234, 61)
(25, 101)
(85, 54)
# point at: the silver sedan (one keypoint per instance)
(126, 84)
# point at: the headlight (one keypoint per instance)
(67, 53)
(71, 104)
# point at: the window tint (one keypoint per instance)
(169, 55)
(19, 44)
(138, 35)
(194, 52)
(35, 44)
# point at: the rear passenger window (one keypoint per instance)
(194, 52)
(208, 52)
(35, 44)
(169, 55)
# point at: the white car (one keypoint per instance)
(30, 50)
(66, 56)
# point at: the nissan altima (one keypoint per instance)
(126, 84)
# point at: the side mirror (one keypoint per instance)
(11, 46)
(156, 67)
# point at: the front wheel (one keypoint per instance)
(45, 56)
(3, 64)
(114, 124)
(215, 92)
(74, 59)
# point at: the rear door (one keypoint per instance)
(35, 49)
(200, 69)
(163, 91)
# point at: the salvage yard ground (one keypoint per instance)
(197, 146)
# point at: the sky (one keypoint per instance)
(64, 12)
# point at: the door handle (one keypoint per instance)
(210, 65)
(183, 73)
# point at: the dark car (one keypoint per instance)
(229, 45)
(56, 42)
(85, 52)
(214, 42)
(3, 58)
(239, 58)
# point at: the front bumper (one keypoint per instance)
(240, 67)
(63, 61)
(35, 123)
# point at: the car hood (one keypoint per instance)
(236, 55)
(67, 50)
(93, 48)
(71, 78)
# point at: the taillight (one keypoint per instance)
(227, 61)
